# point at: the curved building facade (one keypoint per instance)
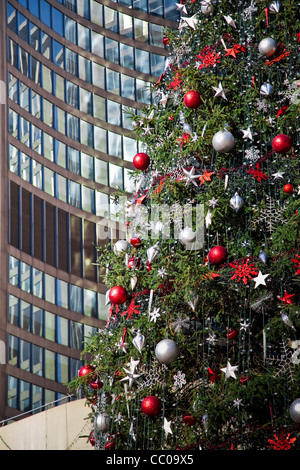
(71, 69)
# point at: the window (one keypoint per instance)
(125, 25)
(24, 396)
(74, 194)
(48, 181)
(13, 310)
(97, 44)
(142, 61)
(37, 281)
(115, 144)
(128, 87)
(48, 112)
(12, 384)
(45, 13)
(46, 45)
(24, 62)
(100, 139)
(35, 104)
(86, 133)
(37, 321)
(140, 30)
(59, 87)
(47, 79)
(37, 174)
(58, 54)
(25, 277)
(83, 8)
(12, 53)
(88, 199)
(24, 96)
(74, 160)
(37, 360)
(23, 27)
(24, 355)
(57, 21)
(76, 335)
(86, 101)
(48, 147)
(13, 156)
(62, 293)
(111, 50)
(90, 303)
(101, 171)
(76, 299)
(49, 364)
(71, 61)
(35, 72)
(72, 127)
(34, 36)
(62, 368)
(115, 176)
(96, 13)
(13, 350)
(49, 326)
(36, 135)
(72, 94)
(113, 81)
(11, 18)
(14, 271)
(87, 166)
(98, 75)
(49, 288)
(114, 113)
(156, 34)
(83, 37)
(111, 19)
(84, 69)
(61, 188)
(99, 107)
(62, 331)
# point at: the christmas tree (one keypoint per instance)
(201, 347)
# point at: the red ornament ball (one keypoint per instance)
(141, 161)
(288, 188)
(189, 420)
(281, 143)
(151, 406)
(166, 40)
(136, 242)
(110, 445)
(118, 295)
(192, 99)
(232, 334)
(84, 370)
(96, 384)
(217, 255)
(133, 263)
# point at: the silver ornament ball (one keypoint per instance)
(223, 141)
(295, 410)
(266, 89)
(274, 7)
(187, 129)
(102, 422)
(206, 7)
(121, 246)
(187, 235)
(267, 47)
(236, 202)
(167, 351)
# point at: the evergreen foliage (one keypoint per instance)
(200, 304)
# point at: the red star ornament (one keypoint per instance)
(287, 298)
(205, 177)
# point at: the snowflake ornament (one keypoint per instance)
(179, 379)
(243, 271)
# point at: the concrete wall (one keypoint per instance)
(58, 428)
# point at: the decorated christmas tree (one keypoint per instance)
(201, 349)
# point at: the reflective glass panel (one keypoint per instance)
(72, 94)
(49, 364)
(71, 61)
(96, 12)
(125, 25)
(57, 21)
(50, 326)
(13, 156)
(115, 144)
(13, 310)
(24, 396)
(115, 176)
(126, 56)
(37, 360)
(74, 160)
(100, 171)
(97, 44)
(100, 139)
(62, 294)
(99, 107)
(37, 321)
(62, 331)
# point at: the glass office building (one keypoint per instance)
(70, 69)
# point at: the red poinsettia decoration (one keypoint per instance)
(176, 82)
(281, 442)
(297, 262)
(257, 173)
(243, 271)
(209, 59)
